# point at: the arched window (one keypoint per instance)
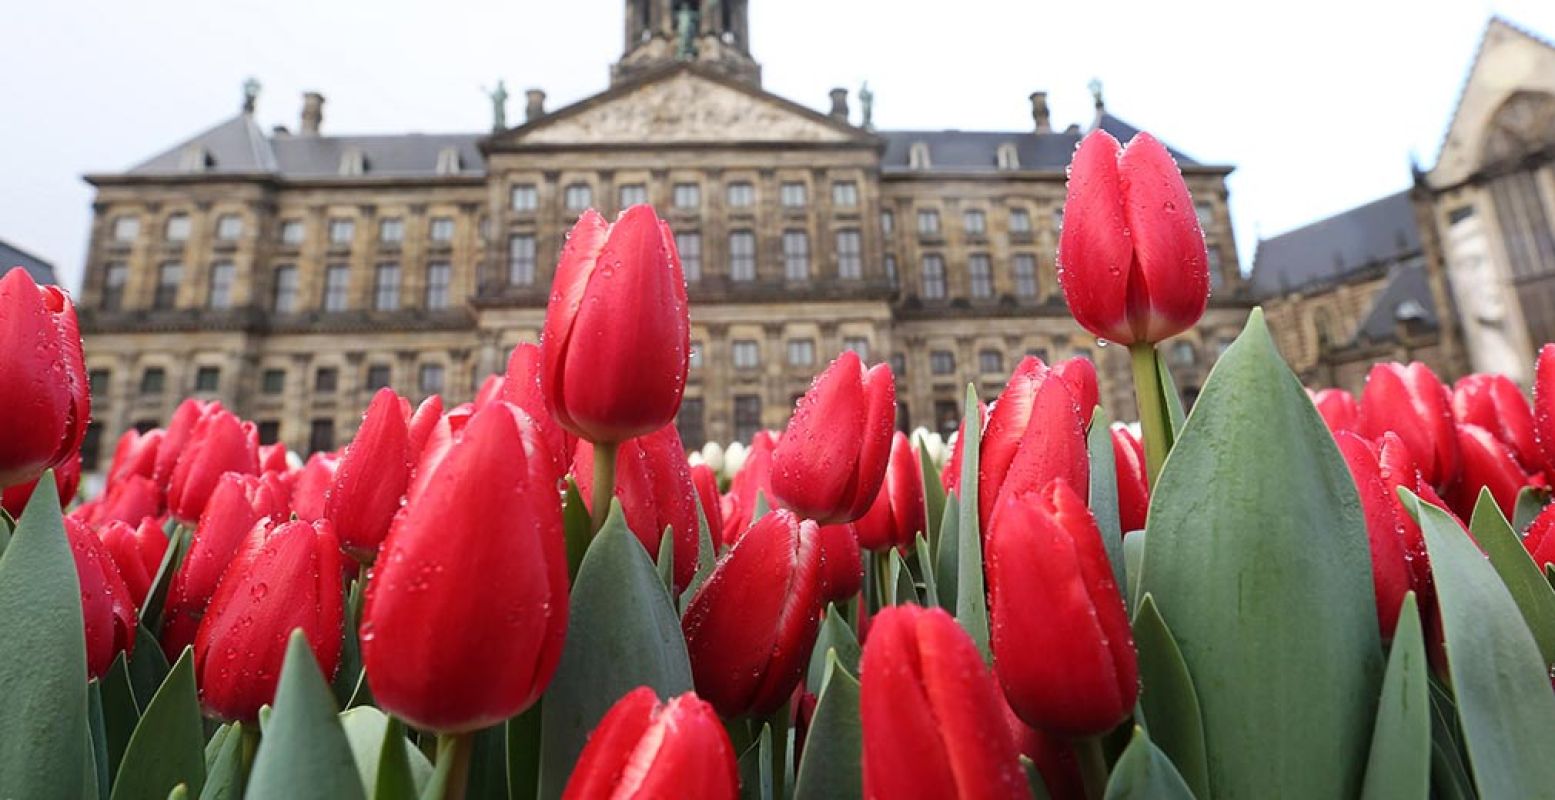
(918, 156)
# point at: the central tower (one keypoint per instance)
(712, 33)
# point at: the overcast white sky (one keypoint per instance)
(1319, 103)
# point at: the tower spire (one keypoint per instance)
(714, 34)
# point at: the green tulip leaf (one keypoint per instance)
(98, 740)
(1133, 565)
(305, 752)
(666, 563)
(1169, 703)
(933, 495)
(899, 578)
(168, 746)
(489, 763)
(755, 768)
(180, 792)
(1176, 418)
(1104, 490)
(1143, 772)
(523, 753)
(6, 526)
(971, 602)
(45, 730)
(1532, 593)
(633, 639)
(1034, 780)
(1449, 763)
(224, 767)
(926, 566)
(831, 765)
(1258, 560)
(120, 711)
(1499, 679)
(178, 540)
(386, 771)
(1400, 762)
(578, 526)
(946, 556)
(837, 638)
(213, 745)
(349, 676)
(1530, 501)
(148, 666)
(707, 558)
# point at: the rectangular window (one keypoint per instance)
(321, 436)
(688, 195)
(695, 358)
(1020, 221)
(525, 197)
(794, 195)
(229, 227)
(207, 379)
(990, 362)
(633, 194)
(341, 231)
(850, 260)
(291, 232)
(942, 362)
(801, 352)
(1212, 254)
(222, 276)
(1058, 218)
(890, 269)
(857, 344)
(928, 222)
(741, 194)
(689, 245)
(272, 381)
(269, 431)
(745, 353)
(97, 383)
(844, 194)
(742, 256)
(391, 230)
(579, 196)
(521, 259)
(378, 376)
(285, 301)
(326, 380)
(153, 381)
(114, 276)
(439, 276)
(1206, 213)
(126, 229)
(337, 282)
(976, 222)
(690, 423)
(386, 287)
(1025, 268)
(177, 229)
(933, 277)
(796, 255)
(947, 416)
(169, 275)
(431, 378)
(747, 416)
(442, 229)
(980, 270)
(887, 222)
(92, 446)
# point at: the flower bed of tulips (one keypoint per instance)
(537, 594)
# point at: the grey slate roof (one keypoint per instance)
(234, 146)
(1367, 236)
(13, 256)
(973, 151)
(1407, 296)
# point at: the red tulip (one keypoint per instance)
(1079, 374)
(467, 606)
(311, 489)
(842, 564)
(175, 440)
(646, 749)
(1034, 435)
(220, 443)
(706, 483)
(67, 476)
(1494, 403)
(43, 392)
(236, 505)
(1396, 466)
(897, 515)
(831, 459)
(950, 474)
(131, 499)
(521, 387)
(1544, 405)
(750, 627)
(617, 287)
(1339, 409)
(137, 552)
(1390, 572)
(491, 389)
(755, 477)
(106, 606)
(1128, 456)
(441, 437)
(653, 484)
(272, 458)
(1540, 540)
(284, 576)
(1132, 262)
(1411, 402)
(1060, 633)
(933, 720)
(422, 422)
(372, 477)
(1486, 463)
(1053, 756)
(135, 455)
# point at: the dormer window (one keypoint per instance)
(353, 162)
(1007, 156)
(196, 158)
(448, 161)
(918, 155)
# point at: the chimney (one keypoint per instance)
(534, 105)
(1039, 112)
(839, 105)
(312, 113)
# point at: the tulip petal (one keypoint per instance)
(1094, 251)
(1170, 262)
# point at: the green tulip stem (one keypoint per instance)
(883, 588)
(1153, 419)
(604, 483)
(1093, 766)
(779, 723)
(453, 764)
(250, 734)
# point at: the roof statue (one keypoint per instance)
(686, 19)
(250, 94)
(499, 106)
(866, 100)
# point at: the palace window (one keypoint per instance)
(688, 195)
(741, 194)
(695, 360)
(386, 287)
(633, 194)
(990, 362)
(378, 376)
(1025, 265)
(291, 232)
(887, 222)
(222, 275)
(850, 260)
(890, 269)
(918, 156)
(391, 230)
(207, 379)
(745, 353)
(169, 275)
(439, 276)
(742, 256)
(285, 300)
(269, 431)
(431, 378)
(126, 229)
(153, 381)
(689, 245)
(975, 221)
(321, 436)
(942, 362)
(801, 352)
(1020, 221)
(229, 227)
(272, 381)
(442, 229)
(689, 422)
(980, 270)
(1007, 157)
(933, 277)
(525, 197)
(796, 255)
(115, 274)
(521, 259)
(177, 229)
(794, 195)
(326, 380)
(844, 194)
(928, 222)
(1212, 256)
(97, 384)
(747, 416)
(1183, 354)
(579, 196)
(1206, 213)
(337, 280)
(857, 344)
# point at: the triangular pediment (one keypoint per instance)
(682, 106)
(1510, 61)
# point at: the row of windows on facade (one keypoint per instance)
(525, 197)
(431, 379)
(387, 287)
(229, 228)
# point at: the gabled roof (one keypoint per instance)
(13, 256)
(1490, 78)
(234, 146)
(1405, 299)
(978, 151)
(1367, 236)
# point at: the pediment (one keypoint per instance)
(1511, 67)
(682, 107)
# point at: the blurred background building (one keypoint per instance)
(292, 272)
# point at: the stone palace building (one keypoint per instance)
(290, 273)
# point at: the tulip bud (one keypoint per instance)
(466, 609)
(272, 458)
(1544, 405)
(1079, 374)
(1338, 409)
(1128, 456)
(135, 455)
(373, 475)
(522, 388)
(311, 489)
(653, 483)
(43, 392)
(842, 563)
(750, 627)
(131, 499)
(897, 515)
(180, 429)
(1053, 756)
(932, 718)
(491, 389)
(67, 477)
(220, 443)
(1396, 465)
(617, 286)
(1034, 435)
(106, 607)
(284, 576)
(950, 474)
(831, 459)
(646, 749)
(1390, 574)
(1540, 541)
(422, 422)
(753, 477)
(1494, 402)
(1411, 402)
(1485, 463)
(706, 483)
(1060, 633)
(1132, 261)
(137, 552)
